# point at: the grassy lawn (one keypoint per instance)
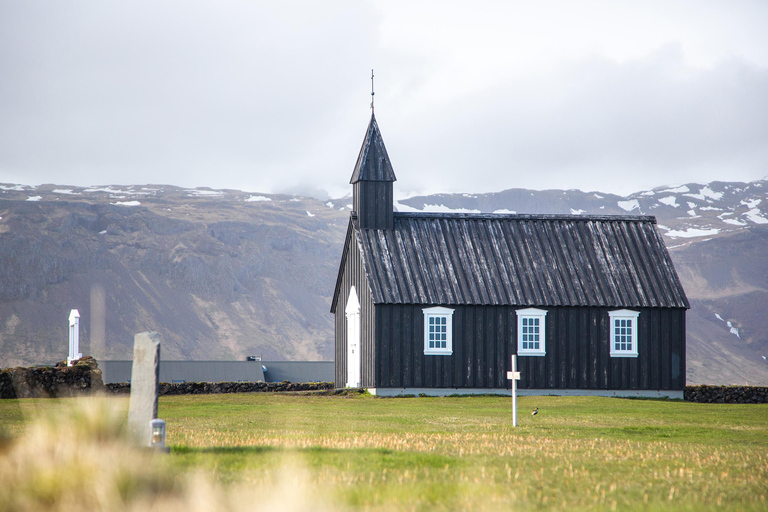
(457, 453)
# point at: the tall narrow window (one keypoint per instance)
(531, 332)
(438, 331)
(623, 333)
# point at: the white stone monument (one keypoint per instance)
(514, 376)
(74, 337)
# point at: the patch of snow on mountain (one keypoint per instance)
(677, 190)
(690, 232)
(735, 222)
(648, 193)
(577, 212)
(400, 207)
(733, 329)
(34, 198)
(719, 317)
(103, 232)
(18, 188)
(349, 206)
(329, 204)
(706, 193)
(126, 203)
(441, 208)
(711, 208)
(504, 210)
(669, 201)
(111, 190)
(755, 216)
(629, 205)
(66, 191)
(598, 196)
(751, 203)
(254, 199)
(311, 214)
(196, 192)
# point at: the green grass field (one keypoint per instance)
(461, 453)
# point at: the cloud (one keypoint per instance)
(129, 91)
(594, 124)
(269, 97)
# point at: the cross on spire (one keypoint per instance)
(372, 93)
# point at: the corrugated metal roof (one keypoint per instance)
(536, 260)
(373, 161)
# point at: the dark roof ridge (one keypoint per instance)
(525, 216)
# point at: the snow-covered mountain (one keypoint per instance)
(690, 211)
(226, 273)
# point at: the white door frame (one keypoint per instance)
(353, 340)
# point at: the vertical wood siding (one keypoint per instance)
(484, 338)
(372, 201)
(353, 274)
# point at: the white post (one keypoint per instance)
(514, 376)
(74, 337)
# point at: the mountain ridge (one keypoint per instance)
(226, 273)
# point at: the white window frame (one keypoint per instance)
(523, 317)
(441, 317)
(614, 331)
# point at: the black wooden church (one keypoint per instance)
(437, 303)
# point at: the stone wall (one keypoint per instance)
(726, 394)
(85, 377)
(60, 380)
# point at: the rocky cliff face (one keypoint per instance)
(226, 274)
(220, 275)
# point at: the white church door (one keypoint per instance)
(353, 340)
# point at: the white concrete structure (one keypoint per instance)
(74, 337)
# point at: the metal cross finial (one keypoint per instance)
(372, 93)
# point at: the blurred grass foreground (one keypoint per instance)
(356, 452)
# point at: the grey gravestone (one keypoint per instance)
(144, 385)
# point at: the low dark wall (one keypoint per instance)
(85, 377)
(726, 394)
(204, 388)
(51, 382)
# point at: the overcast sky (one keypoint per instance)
(470, 96)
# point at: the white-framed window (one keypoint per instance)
(531, 332)
(438, 331)
(623, 337)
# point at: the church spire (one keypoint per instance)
(372, 182)
(373, 162)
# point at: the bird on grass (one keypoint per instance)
(535, 411)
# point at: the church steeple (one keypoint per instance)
(372, 182)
